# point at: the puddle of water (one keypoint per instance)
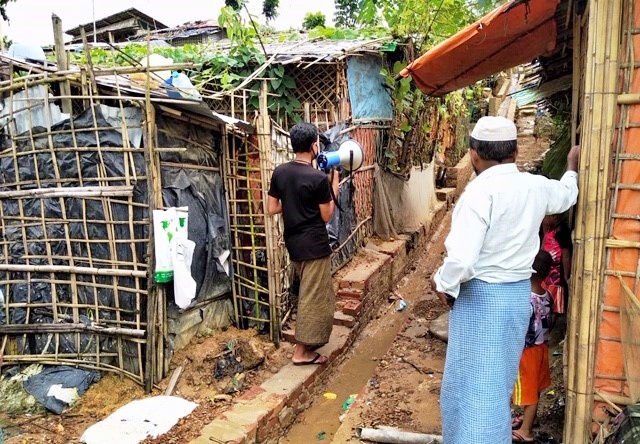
(351, 376)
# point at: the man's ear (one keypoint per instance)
(473, 154)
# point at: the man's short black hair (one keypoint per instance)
(490, 150)
(542, 264)
(303, 135)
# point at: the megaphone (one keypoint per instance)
(349, 156)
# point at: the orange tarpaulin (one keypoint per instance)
(513, 34)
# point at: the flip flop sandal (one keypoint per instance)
(317, 360)
(518, 438)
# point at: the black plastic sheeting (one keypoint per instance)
(201, 190)
(343, 222)
(40, 384)
(626, 426)
(40, 289)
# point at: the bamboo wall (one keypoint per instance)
(617, 367)
(591, 283)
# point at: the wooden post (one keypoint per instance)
(61, 60)
(307, 112)
(599, 111)
(87, 53)
(273, 263)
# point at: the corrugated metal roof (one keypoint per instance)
(325, 50)
(543, 91)
(116, 18)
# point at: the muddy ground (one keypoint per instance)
(197, 383)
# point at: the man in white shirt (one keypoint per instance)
(485, 280)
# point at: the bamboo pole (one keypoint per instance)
(598, 122)
(70, 269)
(153, 288)
(69, 328)
(271, 243)
(61, 60)
(78, 192)
(575, 87)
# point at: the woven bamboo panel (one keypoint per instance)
(74, 227)
(316, 84)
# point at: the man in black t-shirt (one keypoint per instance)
(303, 195)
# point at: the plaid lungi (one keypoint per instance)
(316, 302)
(487, 328)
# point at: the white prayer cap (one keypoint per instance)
(494, 129)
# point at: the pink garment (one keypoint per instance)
(553, 282)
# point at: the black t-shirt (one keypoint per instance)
(301, 189)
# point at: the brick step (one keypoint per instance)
(363, 273)
(446, 194)
(349, 293)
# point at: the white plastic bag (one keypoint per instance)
(164, 231)
(184, 286)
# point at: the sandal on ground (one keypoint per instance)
(318, 359)
(518, 438)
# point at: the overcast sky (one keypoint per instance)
(30, 20)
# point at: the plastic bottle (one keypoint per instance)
(183, 84)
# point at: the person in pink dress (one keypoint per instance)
(556, 240)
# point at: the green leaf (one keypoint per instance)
(279, 70)
(367, 11)
(397, 67)
(289, 82)
(405, 127)
(275, 84)
(295, 103)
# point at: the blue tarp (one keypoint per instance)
(370, 100)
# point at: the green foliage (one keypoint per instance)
(346, 15)
(229, 70)
(433, 20)
(235, 4)
(330, 33)
(555, 162)
(3, 9)
(314, 20)
(270, 9)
